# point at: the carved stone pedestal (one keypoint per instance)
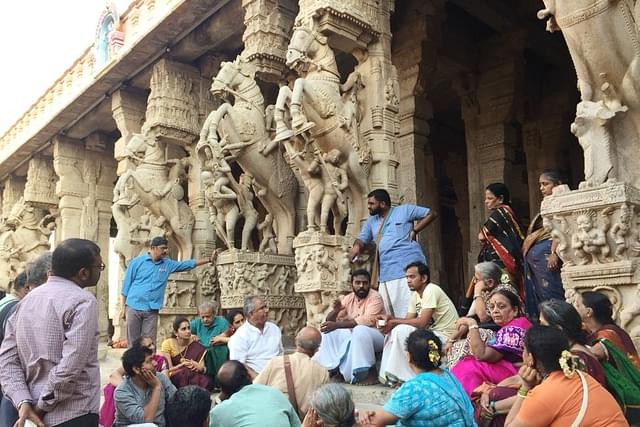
(599, 243)
(323, 271)
(180, 299)
(242, 274)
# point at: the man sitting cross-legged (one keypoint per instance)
(429, 308)
(142, 395)
(350, 339)
(249, 405)
(257, 341)
(306, 375)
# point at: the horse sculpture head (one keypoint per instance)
(19, 212)
(231, 76)
(303, 46)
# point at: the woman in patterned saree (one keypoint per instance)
(541, 263)
(496, 360)
(185, 356)
(501, 235)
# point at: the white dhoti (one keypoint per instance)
(395, 363)
(396, 294)
(351, 350)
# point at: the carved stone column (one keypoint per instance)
(13, 189)
(491, 104)
(86, 171)
(415, 57)
(323, 272)
(266, 37)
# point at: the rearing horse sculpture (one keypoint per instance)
(242, 128)
(150, 179)
(320, 105)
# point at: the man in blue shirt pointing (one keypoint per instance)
(143, 288)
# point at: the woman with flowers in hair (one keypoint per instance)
(433, 397)
(554, 393)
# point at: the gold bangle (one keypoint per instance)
(522, 392)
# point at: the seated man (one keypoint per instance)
(430, 308)
(142, 395)
(257, 341)
(306, 375)
(350, 339)
(189, 407)
(249, 405)
(206, 327)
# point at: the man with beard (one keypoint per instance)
(350, 339)
(394, 231)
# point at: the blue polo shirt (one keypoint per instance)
(145, 281)
(396, 248)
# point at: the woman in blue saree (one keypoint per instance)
(432, 398)
(541, 263)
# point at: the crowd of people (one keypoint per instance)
(514, 354)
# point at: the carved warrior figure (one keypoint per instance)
(621, 229)
(160, 190)
(237, 133)
(602, 37)
(590, 242)
(321, 111)
(222, 203)
(268, 239)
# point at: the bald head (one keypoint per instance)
(308, 340)
(232, 376)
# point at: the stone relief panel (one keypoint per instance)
(40, 187)
(597, 229)
(241, 274)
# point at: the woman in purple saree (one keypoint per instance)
(186, 356)
(498, 358)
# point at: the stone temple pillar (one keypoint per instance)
(86, 173)
(596, 226)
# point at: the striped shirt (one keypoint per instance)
(50, 352)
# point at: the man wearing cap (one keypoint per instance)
(143, 288)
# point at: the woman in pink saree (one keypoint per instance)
(185, 356)
(500, 356)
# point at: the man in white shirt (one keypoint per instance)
(257, 341)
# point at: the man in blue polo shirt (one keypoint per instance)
(394, 231)
(143, 288)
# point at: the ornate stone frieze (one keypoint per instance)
(172, 109)
(241, 274)
(323, 271)
(268, 24)
(40, 187)
(599, 242)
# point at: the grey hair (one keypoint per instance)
(211, 306)
(38, 269)
(334, 405)
(308, 345)
(250, 303)
(489, 270)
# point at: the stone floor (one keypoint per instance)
(367, 398)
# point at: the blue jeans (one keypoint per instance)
(8, 413)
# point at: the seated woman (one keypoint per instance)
(613, 346)
(497, 401)
(108, 409)
(501, 235)
(487, 277)
(185, 356)
(494, 361)
(554, 393)
(331, 405)
(236, 319)
(596, 312)
(433, 397)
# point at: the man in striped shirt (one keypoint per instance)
(49, 357)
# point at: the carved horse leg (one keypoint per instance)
(283, 132)
(209, 131)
